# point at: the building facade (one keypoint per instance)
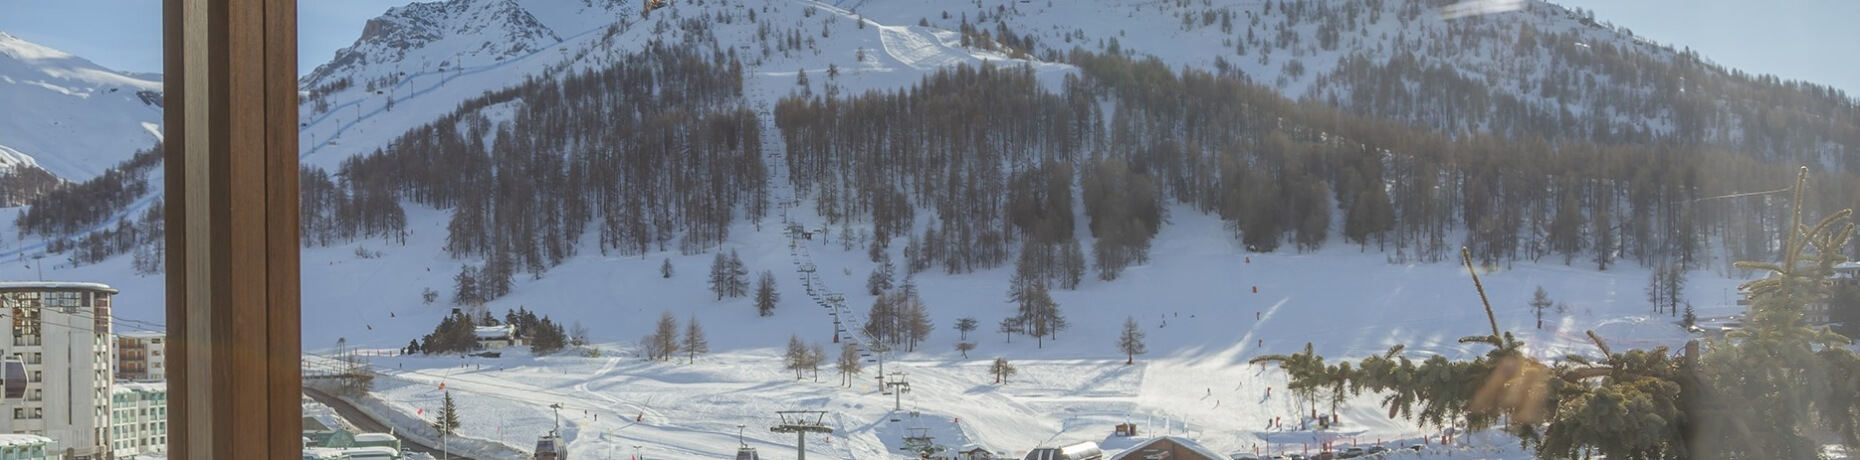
(138, 356)
(61, 332)
(138, 418)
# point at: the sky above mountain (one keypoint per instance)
(126, 34)
(1794, 39)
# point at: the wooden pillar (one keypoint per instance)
(230, 165)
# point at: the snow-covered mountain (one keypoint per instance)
(419, 62)
(70, 116)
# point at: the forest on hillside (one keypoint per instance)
(977, 166)
(994, 157)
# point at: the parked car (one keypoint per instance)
(1350, 452)
(1376, 450)
(1324, 456)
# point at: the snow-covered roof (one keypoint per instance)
(370, 452)
(1134, 451)
(493, 332)
(9, 440)
(321, 453)
(1852, 265)
(31, 285)
(373, 437)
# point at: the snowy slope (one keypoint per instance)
(68, 115)
(1195, 298)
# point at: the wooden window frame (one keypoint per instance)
(230, 202)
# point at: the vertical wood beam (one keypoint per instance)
(230, 164)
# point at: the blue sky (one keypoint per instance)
(126, 34)
(1796, 39)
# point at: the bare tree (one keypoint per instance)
(1131, 341)
(795, 358)
(1009, 326)
(1002, 370)
(816, 355)
(849, 365)
(695, 343)
(964, 347)
(719, 275)
(578, 335)
(664, 338)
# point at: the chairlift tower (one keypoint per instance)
(898, 388)
(795, 421)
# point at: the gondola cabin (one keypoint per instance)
(746, 453)
(550, 447)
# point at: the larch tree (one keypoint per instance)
(816, 355)
(665, 337)
(695, 343)
(964, 347)
(849, 364)
(880, 281)
(720, 275)
(966, 325)
(1540, 302)
(739, 276)
(766, 296)
(1009, 326)
(1131, 341)
(465, 287)
(795, 359)
(1001, 369)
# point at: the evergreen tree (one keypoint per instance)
(695, 343)
(1131, 341)
(665, 269)
(766, 296)
(446, 422)
(1002, 370)
(547, 337)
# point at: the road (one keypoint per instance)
(369, 424)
